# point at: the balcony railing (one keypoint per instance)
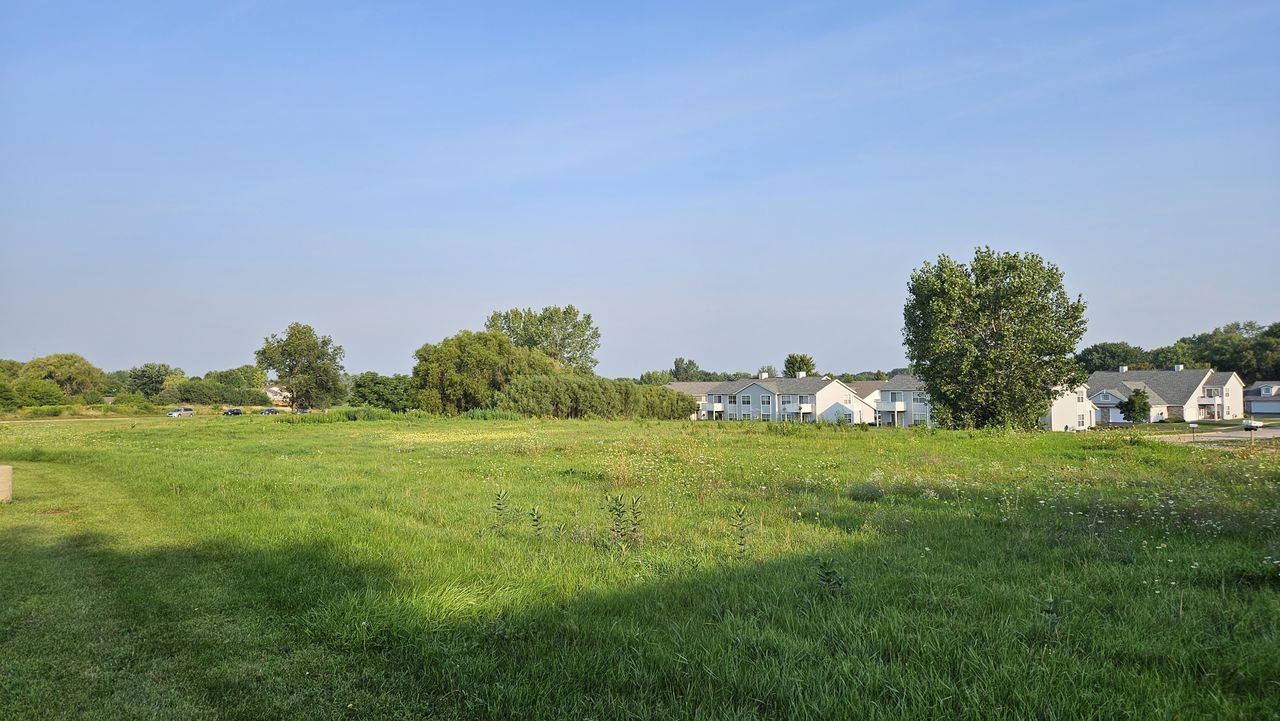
(891, 405)
(796, 407)
(1209, 400)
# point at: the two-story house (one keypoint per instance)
(698, 390)
(1186, 394)
(903, 401)
(1262, 399)
(804, 399)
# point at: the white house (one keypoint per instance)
(804, 398)
(277, 393)
(1190, 394)
(903, 401)
(1072, 411)
(697, 389)
(1263, 399)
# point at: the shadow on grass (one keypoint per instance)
(301, 630)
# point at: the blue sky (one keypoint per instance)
(729, 182)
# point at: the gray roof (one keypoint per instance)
(1256, 388)
(692, 388)
(866, 388)
(797, 386)
(903, 382)
(1219, 378)
(1165, 387)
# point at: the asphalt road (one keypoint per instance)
(1269, 431)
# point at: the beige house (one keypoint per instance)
(1182, 394)
(804, 399)
(277, 393)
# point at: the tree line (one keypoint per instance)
(533, 362)
(684, 369)
(1248, 348)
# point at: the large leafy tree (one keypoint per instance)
(308, 365)
(245, 376)
(656, 378)
(565, 335)
(8, 399)
(9, 369)
(993, 341)
(148, 378)
(72, 372)
(1137, 407)
(1179, 353)
(797, 363)
(1249, 348)
(374, 389)
(467, 370)
(1111, 355)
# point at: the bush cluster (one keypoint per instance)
(583, 396)
(212, 393)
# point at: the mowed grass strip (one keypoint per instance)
(246, 568)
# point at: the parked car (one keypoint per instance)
(301, 410)
(233, 412)
(180, 412)
(269, 412)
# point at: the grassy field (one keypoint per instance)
(251, 568)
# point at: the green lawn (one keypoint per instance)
(252, 568)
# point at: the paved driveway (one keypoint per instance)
(1269, 431)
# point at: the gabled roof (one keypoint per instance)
(1170, 387)
(1220, 378)
(903, 382)
(807, 385)
(1256, 388)
(865, 388)
(692, 388)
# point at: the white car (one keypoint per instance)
(180, 412)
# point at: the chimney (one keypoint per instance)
(1124, 369)
(1178, 366)
(763, 375)
(801, 374)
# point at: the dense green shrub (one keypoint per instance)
(374, 389)
(50, 411)
(38, 392)
(8, 399)
(584, 396)
(492, 414)
(212, 393)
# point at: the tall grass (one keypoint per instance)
(246, 568)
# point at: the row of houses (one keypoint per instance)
(1177, 394)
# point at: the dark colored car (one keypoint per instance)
(269, 412)
(233, 412)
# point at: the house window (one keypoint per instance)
(733, 400)
(733, 416)
(806, 399)
(766, 401)
(917, 419)
(1227, 391)
(1080, 398)
(1266, 390)
(746, 415)
(848, 399)
(766, 416)
(1080, 421)
(848, 418)
(746, 401)
(918, 397)
(895, 396)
